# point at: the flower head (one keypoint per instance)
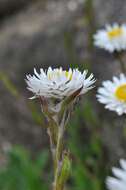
(119, 181)
(58, 83)
(112, 38)
(113, 94)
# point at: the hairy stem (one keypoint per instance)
(58, 159)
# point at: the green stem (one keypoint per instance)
(122, 64)
(58, 157)
(119, 56)
(55, 130)
(58, 164)
(59, 182)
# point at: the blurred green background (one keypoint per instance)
(42, 33)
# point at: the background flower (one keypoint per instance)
(112, 38)
(113, 94)
(119, 181)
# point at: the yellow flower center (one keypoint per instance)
(68, 75)
(58, 73)
(120, 92)
(116, 32)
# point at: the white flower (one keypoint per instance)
(113, 94)
(58, 83)
(112, 38)
(119, 181)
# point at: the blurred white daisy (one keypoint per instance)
(112, 38)
(113, 94)
(119, 181)
(58, 83)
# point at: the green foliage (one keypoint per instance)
(8, 84)
(22, 173)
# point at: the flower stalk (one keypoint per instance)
(58, 90)
(58, 159)
(119, 57)
(55, 130)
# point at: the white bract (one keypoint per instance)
(119, 181)
(112, 38)
(113, 94)
(58, 83)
